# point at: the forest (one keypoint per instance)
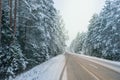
(31, 32)
(103, 36)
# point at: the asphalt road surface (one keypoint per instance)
(79, 68)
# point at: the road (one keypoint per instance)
(80, 68)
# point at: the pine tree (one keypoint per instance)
(39, 28)
(32, 32)
(12, 60)
(103, 34)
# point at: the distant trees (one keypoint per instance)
(77, 44)
(103, 36)
(32, 31)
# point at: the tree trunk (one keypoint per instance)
(15, 13)
(0, 11)
(10, 5)
(0, 19)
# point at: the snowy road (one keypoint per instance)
(73, 67)
(80, 68)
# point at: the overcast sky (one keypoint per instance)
(77, 13)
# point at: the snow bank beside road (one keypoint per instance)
(49, 70)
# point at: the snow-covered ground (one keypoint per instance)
(114, 65)
(50, 70)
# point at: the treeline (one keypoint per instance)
(103, 36)
(31, 32)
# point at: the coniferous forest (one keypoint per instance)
(103, 36)
(31, 32)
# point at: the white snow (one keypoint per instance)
(50, 70)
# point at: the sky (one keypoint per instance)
(77, 13)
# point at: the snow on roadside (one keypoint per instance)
(50, 70)
(114, 65)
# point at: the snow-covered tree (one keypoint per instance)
(103, 34)
(111, 31)
(93, 41)
(12, 60)
(32, 32)
(40, 30)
